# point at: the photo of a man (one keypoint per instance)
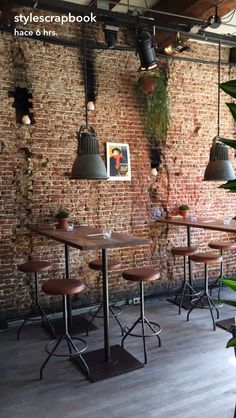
(118, 162)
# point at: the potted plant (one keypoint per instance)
(184, 211)
(62, 217)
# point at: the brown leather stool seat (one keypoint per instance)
(112, 265)
(186, 290)
(222, 246)
(184, 251)
(36, 266)
(206, 258)
(65, 287)
(142, 275)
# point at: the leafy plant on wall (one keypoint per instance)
(152, 95)
(230, 88)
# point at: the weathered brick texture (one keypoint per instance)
(34, 158)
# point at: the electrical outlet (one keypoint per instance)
(136, 301)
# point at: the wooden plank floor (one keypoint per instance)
(188, 377)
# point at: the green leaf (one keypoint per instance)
(230, 186)
(229, 87)
(231, 342)
(232, 108)
(229, 302)
(231, 283)
(230, 142)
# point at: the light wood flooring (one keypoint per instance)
(188, 377)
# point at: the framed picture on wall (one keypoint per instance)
(118, 161)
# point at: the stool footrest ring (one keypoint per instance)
(156, 328)
(52, 345)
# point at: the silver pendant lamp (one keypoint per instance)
(88, 164)
(219, 167)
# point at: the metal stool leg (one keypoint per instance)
(117, 320)
(92, 319)
(210, 302)
(40, 308)
(142, 320)
(221, 276)
(70, 343)
(182, 290)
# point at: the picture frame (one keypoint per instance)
(118, 161)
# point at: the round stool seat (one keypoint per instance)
(220, 245)
(34, 266)
(143, 274)
(112, 265)
(184, 251)
(63, 287)
(206, 258)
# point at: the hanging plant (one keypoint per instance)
(152, 95)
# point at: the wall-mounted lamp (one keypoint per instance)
(111, 35)
(26, 120)
(219, 167)
(88, 164)
(145, 50)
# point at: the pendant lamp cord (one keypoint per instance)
(85, 75)
(218, 112)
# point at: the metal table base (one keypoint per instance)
(121, 362)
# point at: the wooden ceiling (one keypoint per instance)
(200, 9)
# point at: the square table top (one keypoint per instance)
(206, 223)
(80, 238)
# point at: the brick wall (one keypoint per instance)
(34, 158)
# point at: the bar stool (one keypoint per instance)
(186, 290)
(206, 258)
(34, 266)
(114, 310)
(141, 275)
(222, 246)
(64, 288)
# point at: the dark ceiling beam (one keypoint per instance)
(98, 45)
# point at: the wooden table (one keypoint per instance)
(108, 361)
(205, 223)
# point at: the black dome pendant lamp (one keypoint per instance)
(219, 167)
(88, 164)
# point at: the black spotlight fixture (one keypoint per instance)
(214, 21)
(88, 164)
(219, 167)
(145, 50)
(111, 35)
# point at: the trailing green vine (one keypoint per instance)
(154, 105)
